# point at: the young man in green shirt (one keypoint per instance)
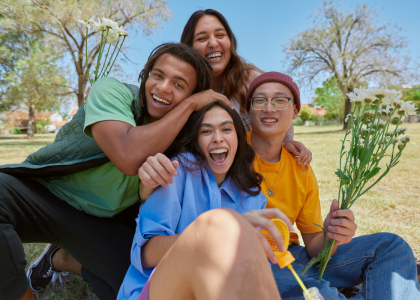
(96, 178)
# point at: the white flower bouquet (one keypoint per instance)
(368, 140)
(111, 35)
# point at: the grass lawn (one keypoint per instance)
(393, 205)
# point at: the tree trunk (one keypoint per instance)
(81, 90)
(30, 131)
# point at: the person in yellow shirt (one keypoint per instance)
(374, 260)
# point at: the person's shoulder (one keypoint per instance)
(291, 161)
(108, 85)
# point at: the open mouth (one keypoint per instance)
(269, 120)
(214, 56)
(219, 156)
(160, 100)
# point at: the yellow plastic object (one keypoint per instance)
(284, 258)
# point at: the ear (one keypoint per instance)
(295, 112)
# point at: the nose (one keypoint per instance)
(212, 42)
(217, 137)
(164, 86)
(269, 108)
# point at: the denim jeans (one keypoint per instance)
(383, 262)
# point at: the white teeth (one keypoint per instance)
(217, 151)
(160, 100)
(269, 120)
(214, 55)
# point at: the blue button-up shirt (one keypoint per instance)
(169, 210)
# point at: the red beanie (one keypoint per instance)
(274, 77)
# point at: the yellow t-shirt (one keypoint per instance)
(296, 191)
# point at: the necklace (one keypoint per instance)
(270, 191)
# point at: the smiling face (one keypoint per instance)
(269, 122)
(171, 80)
(217, 138)
(212, 41)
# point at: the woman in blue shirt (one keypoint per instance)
(198, 235)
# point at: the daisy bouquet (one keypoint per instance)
(112, 40)
(370, 139)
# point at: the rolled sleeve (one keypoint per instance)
(109, 100)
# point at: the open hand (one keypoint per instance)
(297, 148)
(343, 229)
(261, 218)
(158, 170)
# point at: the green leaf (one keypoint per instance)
(344, 178)
(325, 233)
(371, 173)
(377, 155)
(366, 158)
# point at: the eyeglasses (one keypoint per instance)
(278, 103)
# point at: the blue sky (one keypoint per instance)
(262, 27)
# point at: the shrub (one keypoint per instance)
(305, 113)
(297, 121)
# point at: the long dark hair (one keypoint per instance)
(237, 74)
(184, 53)
(241, 171)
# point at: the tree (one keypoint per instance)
(58, 19)
(36, 83)
(349, 46)
(305, 113)
(330, 97)
(413, 95)
(14, 45)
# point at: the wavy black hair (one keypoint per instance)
(241, 172)
(184, 53)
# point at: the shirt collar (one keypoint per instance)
(231, 189)
(228, 186)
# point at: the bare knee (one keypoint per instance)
(220, 231)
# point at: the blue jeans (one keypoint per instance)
(383, 262)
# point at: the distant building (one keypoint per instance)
(19, 119)
(317, 111)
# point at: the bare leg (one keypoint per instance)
(63, 261)
(27, 295)
(218, 256)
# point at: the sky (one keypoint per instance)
(262, 27)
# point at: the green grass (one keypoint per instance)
(393, 205)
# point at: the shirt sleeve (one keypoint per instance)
(311, 211)
(109, 100)
(158, 216)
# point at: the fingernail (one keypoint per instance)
(334, 213)
(275, 260)
(171, 181)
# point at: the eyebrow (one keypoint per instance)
(177, 77)
(221, 124)
(276, 93)
(201, 32)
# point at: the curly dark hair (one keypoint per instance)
(184, 53)
(241, 171)
(238, 72)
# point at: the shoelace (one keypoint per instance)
(55, 275)
(58, 275)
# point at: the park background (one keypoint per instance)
(261, 28)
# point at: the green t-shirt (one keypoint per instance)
(102, 191)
